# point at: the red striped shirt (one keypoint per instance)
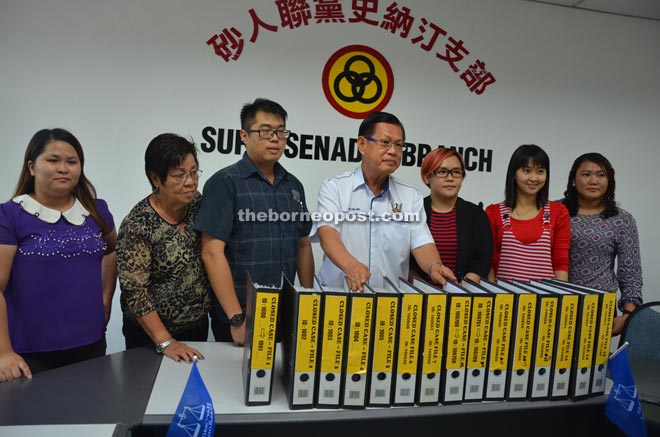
(525, 260)
(443, 229)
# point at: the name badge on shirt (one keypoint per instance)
(296, 196)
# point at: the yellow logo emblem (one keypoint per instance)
(357, 80)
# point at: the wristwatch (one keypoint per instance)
(237, 320)
(161, 346)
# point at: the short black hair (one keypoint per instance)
(249, 111)
(368, 125)
(164, 152)
(523, 155)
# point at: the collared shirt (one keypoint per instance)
(75, 215)
(378, 230)
(54, 294)
(261, 223)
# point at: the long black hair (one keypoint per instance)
(84, 191)
(571, 195)
(523, 155)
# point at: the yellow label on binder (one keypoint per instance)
(265, 325)
(546, 332)
(334, 327)
(605, 328)
(434, 332)
(501, 336)
(588, 330)
(308, 330)
(482, 308)
(385, 331)
(457, 334)
(360, 334)
(568, 322)
(411, 314)
(524, 331)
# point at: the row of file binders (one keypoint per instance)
(413, 343)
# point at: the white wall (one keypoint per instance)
(118, 73)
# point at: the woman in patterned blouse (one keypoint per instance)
(164, 287)
(602, 233)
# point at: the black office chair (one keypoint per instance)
(642, 332)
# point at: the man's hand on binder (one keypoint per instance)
(439, 274)
(428, 258)
(356, 274)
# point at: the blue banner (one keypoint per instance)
(623, 407)
(195, 415)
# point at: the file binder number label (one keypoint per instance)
(264, 331)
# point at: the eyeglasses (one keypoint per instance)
(181, 177)
(443, 172)
(267, 134)
(385, 145)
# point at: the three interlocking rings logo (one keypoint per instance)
(357, 80)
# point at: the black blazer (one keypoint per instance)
(475, 240)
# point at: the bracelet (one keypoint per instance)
(435, 264)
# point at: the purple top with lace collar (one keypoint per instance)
(54, 295)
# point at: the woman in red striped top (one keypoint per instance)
(531, 234)
(460, 228)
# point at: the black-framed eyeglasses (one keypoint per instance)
(384, 144)
(443, 172)
(267, 134)
(181, 177)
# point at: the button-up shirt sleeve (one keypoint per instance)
(217, 214)
(329, 204)
(420, 234)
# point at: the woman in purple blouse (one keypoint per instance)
(602, 233)
(57, 263)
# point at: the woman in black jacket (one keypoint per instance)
(460, 228)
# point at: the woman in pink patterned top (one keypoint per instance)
(602, 233)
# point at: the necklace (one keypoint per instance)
(524, 214)
(443, 207)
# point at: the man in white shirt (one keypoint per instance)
(371, 221)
